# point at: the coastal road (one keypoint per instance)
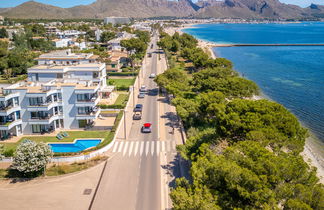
(141, 167)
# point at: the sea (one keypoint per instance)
(290, 75)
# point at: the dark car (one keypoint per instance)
(147, 128)
(137, 116)
(138, 108)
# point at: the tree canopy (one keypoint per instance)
(244, 153)
(31, 158)
(107, 36)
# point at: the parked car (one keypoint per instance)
(147, 128)
(143, 88)
(138, 108)
(137, 116)
(149, 55)
(141, 95)
(152, 76)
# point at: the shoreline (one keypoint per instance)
(312, 157)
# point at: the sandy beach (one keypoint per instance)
(311, 151)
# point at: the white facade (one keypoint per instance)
(55, 96)
(117, 20)
(59, 43)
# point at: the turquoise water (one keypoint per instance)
(77, 146)
(308, 32)
(292, 76)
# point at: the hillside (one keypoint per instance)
(33, 9)
(272, 9)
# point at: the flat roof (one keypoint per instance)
(58, 66)
(64, 54)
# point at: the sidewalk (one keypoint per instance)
(63, 192)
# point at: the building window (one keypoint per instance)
(83, 97)
(35, 101)
(59, 76)
(84, 110)
(37, 128)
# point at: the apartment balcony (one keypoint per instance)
(5, 111)
(90, 115)
(45, 120)
(5, 126)
(7, 95)
(44, 106)
(89, 102)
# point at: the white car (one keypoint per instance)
(152, 76)
(143, 88)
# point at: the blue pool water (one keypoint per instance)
(292, 76)
(78, 146)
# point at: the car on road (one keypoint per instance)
(141, 95)
(138, 108)
(149, 55)
(143, 88)
(147, 128)
(137, 116)
(152, 76)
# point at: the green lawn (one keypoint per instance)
(122, 99)
(121, 82)
(72, 136)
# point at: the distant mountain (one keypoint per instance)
(315, 10)
(33, 9)
(177, 8)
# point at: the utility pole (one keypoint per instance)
(125, 124)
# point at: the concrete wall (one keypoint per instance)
(69, 108)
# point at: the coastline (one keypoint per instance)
(311, 155)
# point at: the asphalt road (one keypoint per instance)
(132, 178)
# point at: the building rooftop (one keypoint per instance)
(36, 87)
(64, 66)
(64, 54)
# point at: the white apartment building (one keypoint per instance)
(61, 92)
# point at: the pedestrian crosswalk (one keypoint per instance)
(140, 148)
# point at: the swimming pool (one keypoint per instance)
(78, 145)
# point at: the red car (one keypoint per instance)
(147, 128)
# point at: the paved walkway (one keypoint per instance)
(65, 192)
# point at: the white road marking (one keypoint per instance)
(142, 148)
(152, 148)
(136, 147)
(120, 146)
(157, 148)
(125, 148)
(115, 146)
(163, 146)
(130, 148)
(147, 147)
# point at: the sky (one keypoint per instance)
(71, 3)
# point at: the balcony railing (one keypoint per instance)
(93, 99)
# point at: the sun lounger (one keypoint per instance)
(59, 137)
(65, 134)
